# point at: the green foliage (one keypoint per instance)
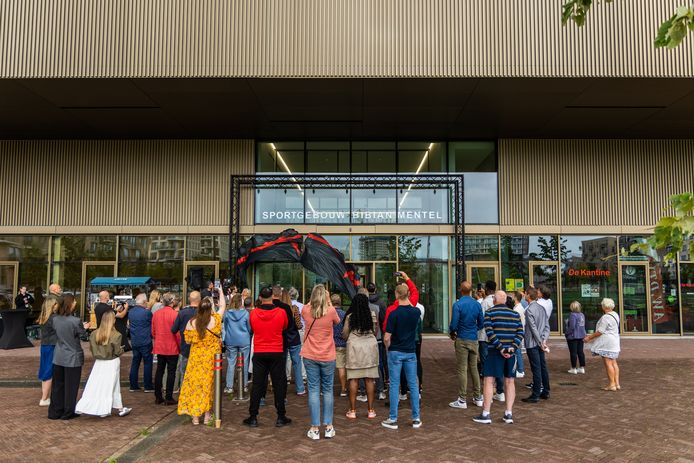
(674, 30)
(672, 232)
(576, 11)
(670, 34)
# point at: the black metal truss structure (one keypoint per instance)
(453, 183)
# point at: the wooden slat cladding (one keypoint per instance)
(591, 182)
(333, 38)
(121, 183)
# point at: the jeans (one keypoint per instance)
(404, 388)
(397, 362)
(466, 353)
(294, 352)
(520, 366)
(168, 363)
(576, 352)
(319, 376)
(232, 352)
(141, 353)
(271, 363)
(538, 365)
(483, 348)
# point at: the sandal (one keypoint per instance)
(610, 388)
(196, 421)
(372, 414)
(351, 414)
(207, 419)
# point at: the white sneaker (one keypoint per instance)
(416, 424)
(381, 396)
(403, 397)
(572, 371)
(314, 434)
(520, 374)
(581, 370)
(390, 424)
(329, 433)
(228, 390)
(362, 398)
(500, 397)
(458, 403)
(44, 403)
(124, 411)
(479, 401)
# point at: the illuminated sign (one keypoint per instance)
(574, 272)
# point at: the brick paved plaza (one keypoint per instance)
(649, 420)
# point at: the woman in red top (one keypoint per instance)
(166, 348)
(318, 353)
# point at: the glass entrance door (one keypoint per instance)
(87, 299)
(635, 299)
(478, 273)
(547, 273)
(8, 284)
(198, 274)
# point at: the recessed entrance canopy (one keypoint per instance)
(340, 108)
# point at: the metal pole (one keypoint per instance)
(240, 379)
(217, 390)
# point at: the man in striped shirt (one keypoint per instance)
(504, 336)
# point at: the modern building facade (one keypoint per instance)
(122, 123)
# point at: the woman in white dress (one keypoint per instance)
(605, 341)
(102, 392)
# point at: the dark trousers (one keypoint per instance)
(66, 383)
(382, 363)
(272, 363)
(403, 381)
(538, 366)
(141, 353)
(576, 352)
(168, 363)
(483, 350)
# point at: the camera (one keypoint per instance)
(120, 301)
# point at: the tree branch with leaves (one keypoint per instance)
(672, 233)
(670, 34)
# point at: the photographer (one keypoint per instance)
(24, 300)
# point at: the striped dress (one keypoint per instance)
(503, 327)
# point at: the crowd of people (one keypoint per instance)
(375, 349)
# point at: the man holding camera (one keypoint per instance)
(121, 311)
(504, 336)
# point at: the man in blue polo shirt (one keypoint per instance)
(466, 321)
(400, 340)
(140, 320)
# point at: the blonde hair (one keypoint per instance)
(153, 298)
(103, 332)
(575, 306)
(319, 301)
(47, 309)
(236, 301)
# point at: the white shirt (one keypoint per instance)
(547, 304)
(521, 311)
(487, 303)
(608, 341)
(300, 306)
(421, 309)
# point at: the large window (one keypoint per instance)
(477, 160)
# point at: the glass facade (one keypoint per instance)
(652, 297)
(373, 204)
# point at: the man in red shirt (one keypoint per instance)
(166, 347)
(413, 297)
(268, 324)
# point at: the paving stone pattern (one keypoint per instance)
(648, 421)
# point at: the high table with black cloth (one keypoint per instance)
(13, 334)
